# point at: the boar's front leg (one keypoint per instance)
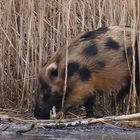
(89, 106)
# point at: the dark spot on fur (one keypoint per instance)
(102, 30)
(99, 65)
(112, 44)
(93, 34)
(73, 67)
(88, 35)
(84, 74)
(90, 50)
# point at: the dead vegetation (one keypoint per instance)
(31, 31)
(124, 122)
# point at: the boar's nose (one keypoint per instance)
(41, 114)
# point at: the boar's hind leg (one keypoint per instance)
(123, 92)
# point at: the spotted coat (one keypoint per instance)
(98, 61)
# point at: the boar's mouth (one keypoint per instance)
(44, 103)
(41, 114)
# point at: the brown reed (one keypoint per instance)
(32, 30)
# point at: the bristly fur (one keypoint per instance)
(96, 62)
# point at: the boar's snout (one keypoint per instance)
(45, 101)
(41, 114)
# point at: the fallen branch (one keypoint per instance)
(89, 121)
(71, 121)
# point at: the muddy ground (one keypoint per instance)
(11, 131)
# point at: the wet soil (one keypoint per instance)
(94, 132)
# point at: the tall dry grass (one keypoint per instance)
(32, 30)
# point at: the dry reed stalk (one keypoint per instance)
(31, 31)
(67, 8)
(134, 94)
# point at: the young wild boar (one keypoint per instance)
(98, 61)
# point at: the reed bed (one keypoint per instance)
(32, 30)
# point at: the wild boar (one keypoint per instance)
(97, 61)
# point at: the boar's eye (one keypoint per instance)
(54, 74)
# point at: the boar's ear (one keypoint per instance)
(52, 72)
